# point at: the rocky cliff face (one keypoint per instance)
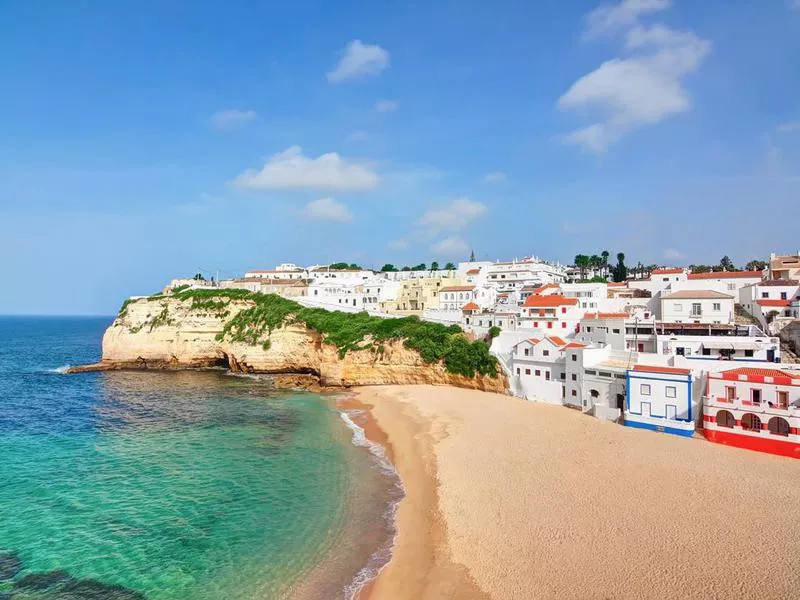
(170, 333)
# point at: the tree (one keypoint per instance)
(756, 265)
(595, 262)
(726, 264)
(339, 265)
(388, 268)
(582, 262)
(604, 255)
(449, 267)
(354, 266)
(406, 268)
(494, 332)
(620, 271)
(598, 279)
(699, 268)
(434, 266)
(420, 267)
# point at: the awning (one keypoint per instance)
(731, 344)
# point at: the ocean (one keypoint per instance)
(176, 485)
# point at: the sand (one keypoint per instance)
(510, 499)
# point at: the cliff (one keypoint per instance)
(255, 333)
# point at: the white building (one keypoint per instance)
(454, 297)
(660, 398)
(538, 366)
(725, 282)
(551, 313)
(701, 306)
(283, 274)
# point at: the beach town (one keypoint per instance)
(671, 349)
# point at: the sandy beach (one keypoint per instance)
(510, 499)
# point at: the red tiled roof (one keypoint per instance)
(458, 288)
(549, 301)
(547, 286)
(758, 375)
(608, 315)
(473, 271)
(617, 283)
(556, 340)
(470, 306)
(768, 302)
(574, 345)
(726, 275)
(659, 369)
(666, 271)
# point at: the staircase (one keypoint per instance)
(787, 356)
(742, 317)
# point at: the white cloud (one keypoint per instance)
(640, 90)
(612, 17)
(791, 126)
(327, 209)
(386, 105)
(357, 136)
(673, 254)
(452, 217)
(398, 244)
(291, 169)
(231, 118)
(450, 247)
(359, 60)
(495, 177)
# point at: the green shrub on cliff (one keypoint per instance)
(347, 331)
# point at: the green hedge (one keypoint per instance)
(346, 331)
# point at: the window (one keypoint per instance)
(574, 377)
(549, 324)
(538, 373)
(527, 351)
(671, 391)
(563, 325)
(680, 351)
(731, 286)
(527, 371)
(677, 307)
(706, 351)
(536, 325)
(605, 374)
(765, 294)
(545, 352)
(717, 306)
(730, 393)
(574, 393)
(778, 426)
(755, 396)
(697, 309)
(563, 375)
(748, 353)
(751, 422)
(563, 310)
(725, 419)
(644, 389)
(574, 358)
(588, 330)
(517, 370)
(783, 399)
(783, 295)
(547, 375)
(588, 372)
(616, 330)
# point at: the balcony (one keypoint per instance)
(753, 407)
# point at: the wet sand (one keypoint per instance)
(509, 499)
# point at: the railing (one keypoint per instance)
(749, 406)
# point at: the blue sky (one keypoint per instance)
(142, 140)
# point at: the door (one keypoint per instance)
(771, 355)
(640, 348)
(670, 412)
(645, 409)
(730, 393)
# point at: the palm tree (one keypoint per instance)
(434, 266)
(582, 261)
(595, 263)
(605, 254)
(449, 267)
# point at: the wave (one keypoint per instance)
(62, 370)
(380, 558)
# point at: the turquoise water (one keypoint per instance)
(172, 485)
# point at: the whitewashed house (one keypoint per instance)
(554, 314)
(660, 398)
(700, 306)
(538, 364)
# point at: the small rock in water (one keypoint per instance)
(42, 581)
(91, 589)
(10, 564)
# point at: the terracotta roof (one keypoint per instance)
(695, 294)
(607, 315)
(473, 271)
(659, 369)
(458, 288)
(758, 375)
(556, 340)
(547, 286)
(574, 345)
(666, 271)
(470, 306)
(727, 275)
(549, 301)
(617, 283)
(768, 302)
(777, 283)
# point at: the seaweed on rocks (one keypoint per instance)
(10, 565)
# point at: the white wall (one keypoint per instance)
(679, 310)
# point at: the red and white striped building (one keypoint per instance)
(757, 409)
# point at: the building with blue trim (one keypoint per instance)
(659, 398)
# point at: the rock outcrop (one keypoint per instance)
(168, 333)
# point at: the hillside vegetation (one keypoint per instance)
(346, 331)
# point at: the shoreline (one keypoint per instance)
(511, 499)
